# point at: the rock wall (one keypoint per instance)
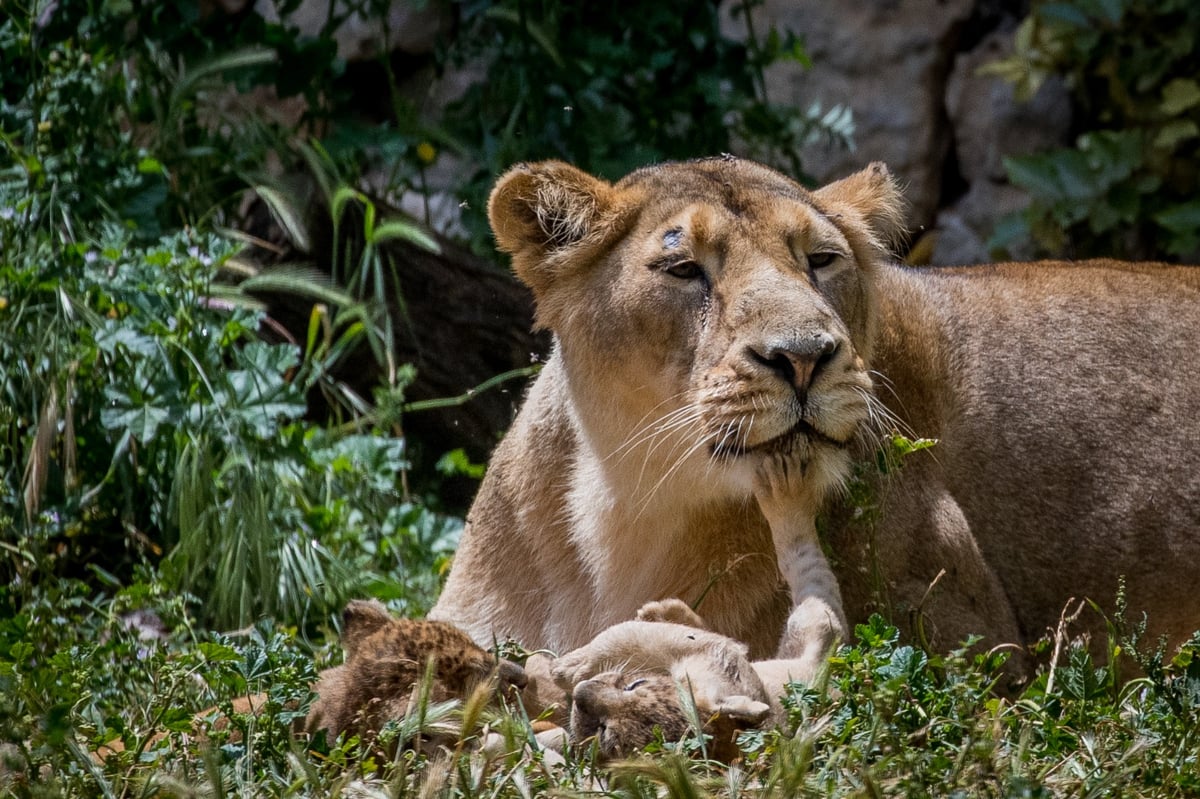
(907, 69)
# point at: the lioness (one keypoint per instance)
(727, 343)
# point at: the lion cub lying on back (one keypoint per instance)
(633, 679)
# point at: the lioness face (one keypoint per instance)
(721, 311)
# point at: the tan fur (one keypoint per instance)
(630, 474)
(668, 449)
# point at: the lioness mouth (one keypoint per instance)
(735, 448)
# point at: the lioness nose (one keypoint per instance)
(796, 360)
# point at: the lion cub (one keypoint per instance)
(631, 680)
(385, 661)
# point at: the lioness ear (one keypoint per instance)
(542, 211)
(873, 196)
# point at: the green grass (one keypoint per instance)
(889, 720)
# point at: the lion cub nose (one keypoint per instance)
(796, 361)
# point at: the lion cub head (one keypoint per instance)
(712, 312)
(623, 712)
(386, 658)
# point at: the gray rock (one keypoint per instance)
(887, 60)
(989, 123)
(962, 230)
(409, 27)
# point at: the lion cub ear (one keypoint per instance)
(360, 619)
(871, 197)
(543, 212)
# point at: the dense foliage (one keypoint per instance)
(1129, 185)
(162, 477)
(580, 83)
(146, 419)
(888, 720)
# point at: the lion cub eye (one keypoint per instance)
(817, 260)
(684, 270)
(635, 684)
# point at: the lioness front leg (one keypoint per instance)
(817, 621)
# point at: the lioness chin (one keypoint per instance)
(727, 343)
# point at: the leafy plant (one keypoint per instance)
(1129, 185)
(146, 419)
(580, 83)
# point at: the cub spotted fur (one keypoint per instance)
(379, 681)
(386, 658)
(727, 343)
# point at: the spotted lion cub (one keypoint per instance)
(631, 682)
(385, 662)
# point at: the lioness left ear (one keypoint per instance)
(873, 196)
(543, 212)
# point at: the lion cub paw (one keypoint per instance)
(743, 709)
(572, 668)
(674, 611)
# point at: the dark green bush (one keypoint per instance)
(613, 86)
(1129, 186)
(145, 419)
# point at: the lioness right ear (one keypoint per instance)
(543, 212)
(873, 196)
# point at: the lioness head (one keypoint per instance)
(711, 312)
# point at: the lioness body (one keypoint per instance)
(684, 435)
(1066, 406)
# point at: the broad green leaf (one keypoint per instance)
(1035, 173)
(1179, 95)
(1173, 133)
(114, 337)
(1183, 218)
(141, 421)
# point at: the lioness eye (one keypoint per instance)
(819, 259)
(634, 684)
(685, 270)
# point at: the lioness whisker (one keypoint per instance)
(882, 416)
(679, 417)
(679, 441)
(700, 443)
(642, 424)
